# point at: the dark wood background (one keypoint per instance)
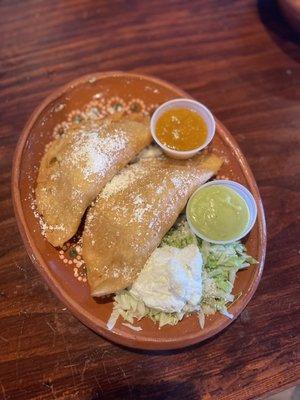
(242, 60)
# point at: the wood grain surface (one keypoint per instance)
(242, 60)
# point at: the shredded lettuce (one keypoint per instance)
(130, 308)
(220, 266)
(179, 236)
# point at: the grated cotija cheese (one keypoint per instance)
(96, 153)
(122, 180)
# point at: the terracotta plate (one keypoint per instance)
(63, 270)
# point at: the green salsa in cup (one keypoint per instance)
(219, 213)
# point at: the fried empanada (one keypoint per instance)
(134, 212)
(77, 166)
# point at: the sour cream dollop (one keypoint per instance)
(171, 279)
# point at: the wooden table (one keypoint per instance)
(240, 59)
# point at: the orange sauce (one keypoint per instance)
(181, 129)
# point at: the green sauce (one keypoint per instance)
(218, 213)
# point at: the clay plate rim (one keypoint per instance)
(82, 314)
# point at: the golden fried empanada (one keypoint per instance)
(77, 166)
(134, 212)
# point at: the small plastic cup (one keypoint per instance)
(244, 193)
(192, 105)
